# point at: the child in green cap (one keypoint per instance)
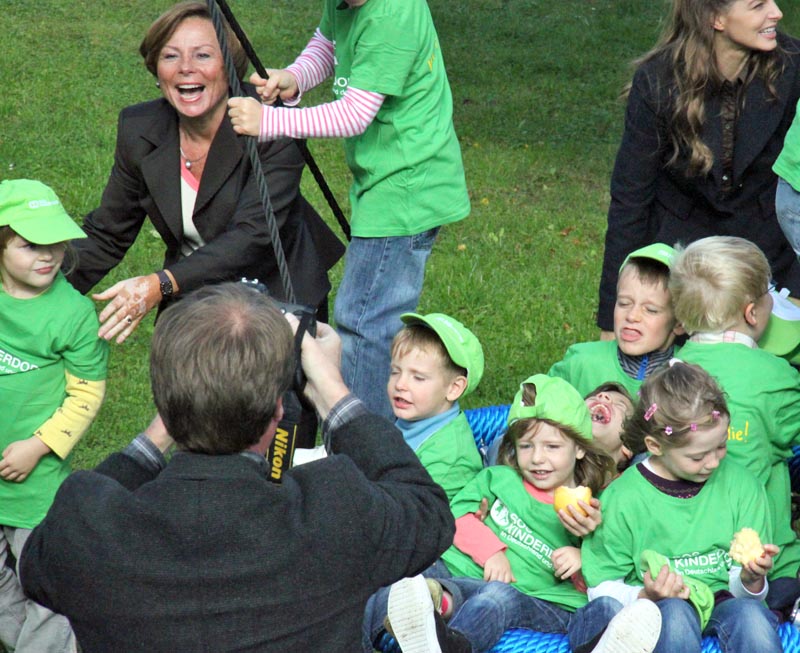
(685, 502)
(52, 382)
(518, 566)
(436, 360)
(644, 327)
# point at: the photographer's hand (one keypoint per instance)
(320, 358)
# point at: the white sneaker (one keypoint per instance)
(411, 616)
(634, 629)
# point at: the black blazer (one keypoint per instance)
(210, 555)
(145, 181)
(651, 202)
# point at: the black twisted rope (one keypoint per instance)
(255, 161)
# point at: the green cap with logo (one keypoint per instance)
(657, 252)
(556, 400)
(35, 213)
(461, 344)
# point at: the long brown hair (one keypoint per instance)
(688, 42)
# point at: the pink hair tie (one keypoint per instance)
(715, 414)
(692, 426)
(650, 412)
(668, 430)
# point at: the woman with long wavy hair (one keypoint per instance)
(707, 112)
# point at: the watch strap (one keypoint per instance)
(165, 284)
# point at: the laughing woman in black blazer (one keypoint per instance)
(179, 162)
(707, 112)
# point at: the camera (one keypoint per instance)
(298, 428)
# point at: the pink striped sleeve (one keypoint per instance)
(348, 116)
(314, 64)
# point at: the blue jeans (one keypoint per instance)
(787, 208)
(742, 626)
(483, 611)
(382, 280)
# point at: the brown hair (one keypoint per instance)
(688, 42)
(595, 469)
(220, 359)
(165, 25)
(648, 271)
(671, 400)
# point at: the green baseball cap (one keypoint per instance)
(657, 252)
(782, 335)
(461, 344)
(35, 213)
(556, 400)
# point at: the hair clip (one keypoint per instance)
(668, 430)
(650, 412)
(715, 414)
(692, 426)
(672, 361)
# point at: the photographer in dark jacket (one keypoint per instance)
(204, 552)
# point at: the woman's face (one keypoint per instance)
(748, 25)
(191, 71)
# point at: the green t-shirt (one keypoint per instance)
(787, 165)
(587, 365)
(530, 529)
(763, 395)
(695, 534)
(408, 175)
(40, 339)
(450, 456)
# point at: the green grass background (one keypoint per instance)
(536, 90)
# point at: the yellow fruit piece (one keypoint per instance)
(569, 496)
(746, 546)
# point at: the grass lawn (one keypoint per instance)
(535, 85)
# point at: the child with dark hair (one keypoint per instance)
(669, 522)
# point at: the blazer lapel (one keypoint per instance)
(758, 121)
(161, 172)
(224, 156)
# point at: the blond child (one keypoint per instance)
(720, 289)
(436, 360)
(644, 328)
(52, 381)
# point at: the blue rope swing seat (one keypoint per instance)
(489, 423)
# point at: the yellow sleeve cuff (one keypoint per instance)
(68, 424)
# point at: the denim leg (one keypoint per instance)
(680, 627)
(43, 631)
(588, 623)
(787, 208)
(783, 592)
(744, 626)
(12, 600)
(496, 607)
(382, 280)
